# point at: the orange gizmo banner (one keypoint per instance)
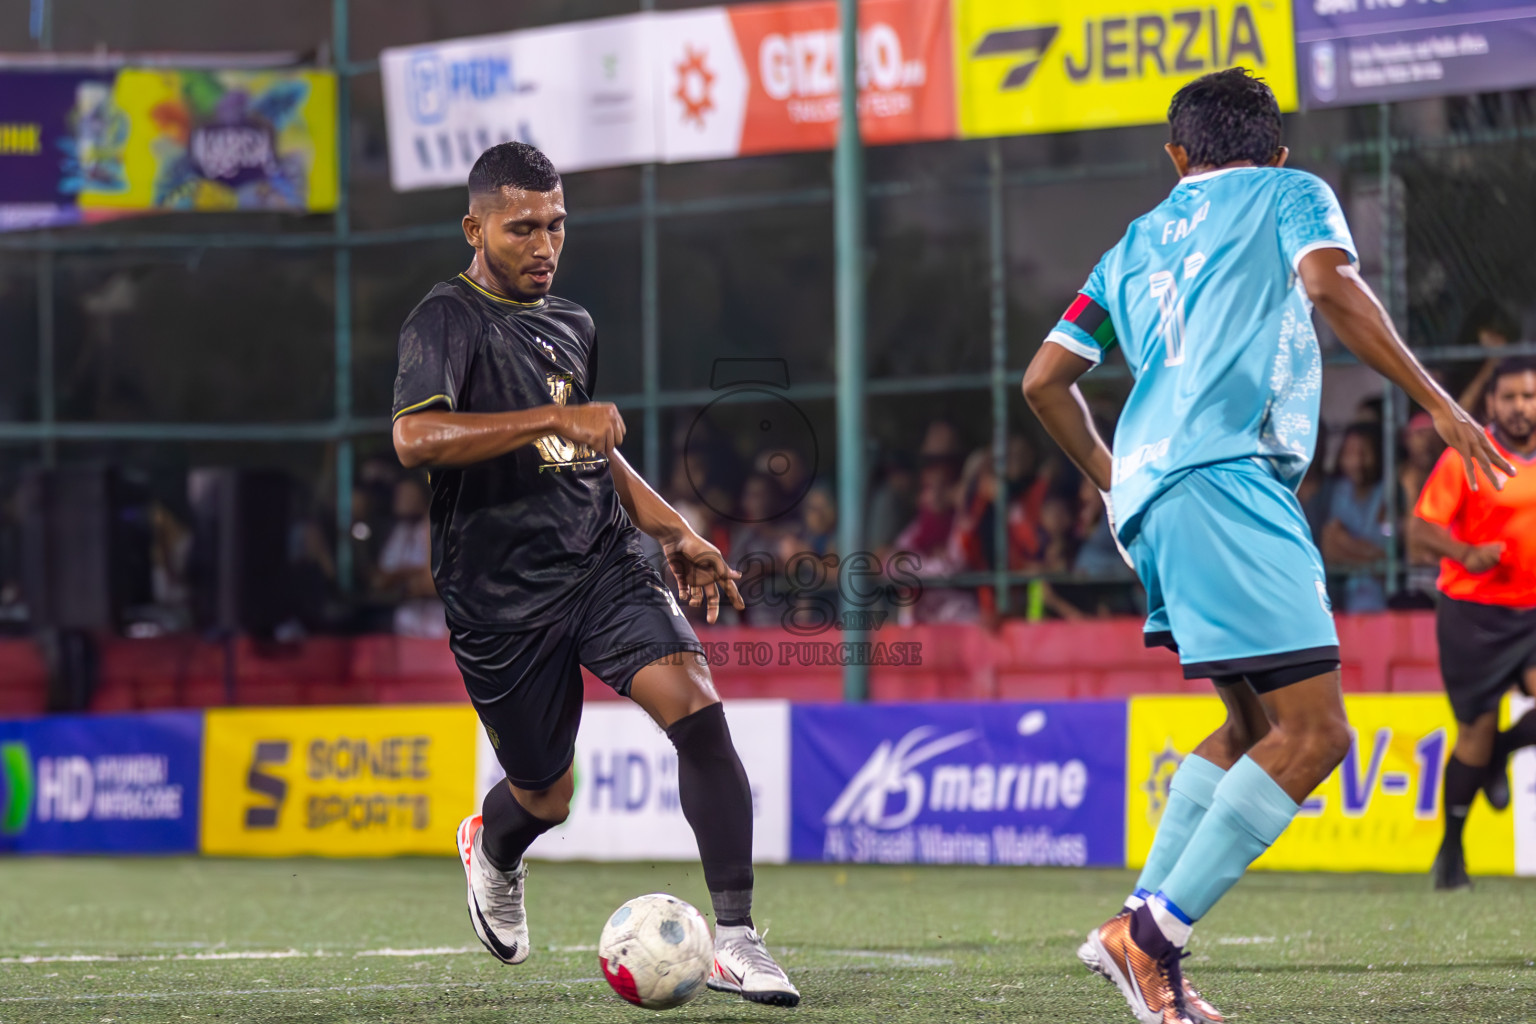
(764, 78)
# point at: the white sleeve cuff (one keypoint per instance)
(1092, 353)
(1314, 246)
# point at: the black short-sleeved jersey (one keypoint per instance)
(513, 538)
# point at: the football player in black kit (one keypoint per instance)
(536, 522)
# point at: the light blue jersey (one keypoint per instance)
(1202, 295)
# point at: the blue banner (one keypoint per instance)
(101, 784)
(1352, 52)
(996, 783)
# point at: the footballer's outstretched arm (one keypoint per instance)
(1050, 387)
(648, 510)
(1362, 324)
(698, 565)
(436, 437)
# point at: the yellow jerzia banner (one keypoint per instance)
(1379, 811)
(1032, 66)
(347, 782)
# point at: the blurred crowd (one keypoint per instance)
(930, 527)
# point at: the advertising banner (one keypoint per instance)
(996, 783)
(1379, 810)
(1522, 788)
(580, 92)
(626, 803)
(701, 84)
(764, 78)
(100, 784)
(1066, 65)
(1353, 52)
(83, 147)
(350, 782)
(48, 144)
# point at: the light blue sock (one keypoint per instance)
(1190, 793)
(1248, 814)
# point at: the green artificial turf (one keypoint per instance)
(875, 944)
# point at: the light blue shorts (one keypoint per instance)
(1233, 578)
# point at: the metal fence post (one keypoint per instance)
(650, 318)
(340, 31)
(848, 186)
(997, 238)
(1389, 390)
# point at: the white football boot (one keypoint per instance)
(744, 966)
(495, 898)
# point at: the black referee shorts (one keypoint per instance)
(1484, 650)
(526, 686)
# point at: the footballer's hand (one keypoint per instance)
(597, 425)
(702, 574)
(1461, 432)
(1482, 557)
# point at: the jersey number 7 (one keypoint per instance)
(1170, 307)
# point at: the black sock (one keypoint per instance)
(717, 801)
(1461, 784)
(508, 828)
(1521, 734)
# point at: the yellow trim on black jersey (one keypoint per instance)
(497, 298)
(424, 402)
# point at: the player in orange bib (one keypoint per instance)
(1486, 616)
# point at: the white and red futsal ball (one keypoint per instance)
(656, 951)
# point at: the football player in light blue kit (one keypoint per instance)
(1210, 298)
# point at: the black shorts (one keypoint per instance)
(527, 687)
(1484, 650)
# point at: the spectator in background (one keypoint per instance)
(892, 503)
(1316, 490)
(405, 564)
(816, 531)
(809, 553)
(1490, 326)
(1098, 556)
(755, 544)
(1421, 449)
(1352, 537)
(690, 491)
(927, 540)
(1058, 533)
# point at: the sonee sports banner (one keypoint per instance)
(1066, 65)
(346, 782)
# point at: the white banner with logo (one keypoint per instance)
(701, 84)
(580, 92)
(1522, 785)
(626, 805)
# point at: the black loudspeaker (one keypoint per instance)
(85, 547)
(240, 571)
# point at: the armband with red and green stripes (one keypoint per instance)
(1093, 320)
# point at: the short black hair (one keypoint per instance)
(1225, 117)
(512, 165)
(1371, 434)
(1510, 366)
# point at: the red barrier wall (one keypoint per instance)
(1382, 653)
